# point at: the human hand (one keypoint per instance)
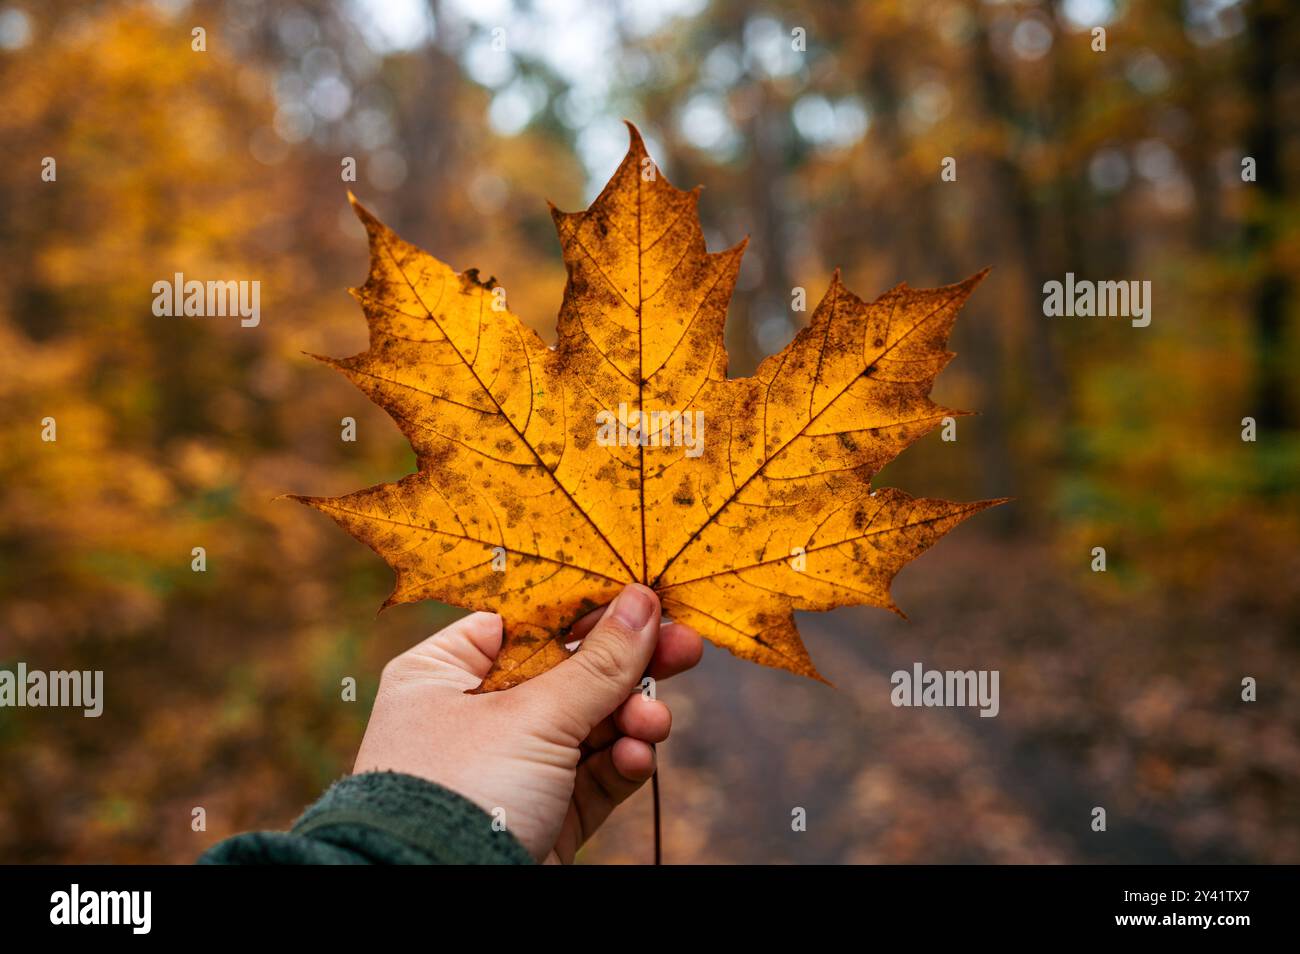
(557, 753)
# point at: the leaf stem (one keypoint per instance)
(654, 787)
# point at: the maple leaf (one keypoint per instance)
(519, 506)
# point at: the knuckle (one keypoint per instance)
(600, 658)
(394, 671)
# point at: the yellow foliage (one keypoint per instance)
(549, 478)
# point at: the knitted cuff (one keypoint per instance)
(435, 822)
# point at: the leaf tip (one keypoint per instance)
(362, 213)
(898, 611)
(557, 214)
(636, 143)
(969, 284)
(325, 359)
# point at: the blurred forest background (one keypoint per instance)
(1119, 689)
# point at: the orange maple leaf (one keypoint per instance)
(550, 478)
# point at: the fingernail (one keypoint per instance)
(634, 607)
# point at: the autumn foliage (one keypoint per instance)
(519, 509)
(224, 689)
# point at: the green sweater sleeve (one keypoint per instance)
(380, 818)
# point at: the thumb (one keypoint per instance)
(600, 676)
